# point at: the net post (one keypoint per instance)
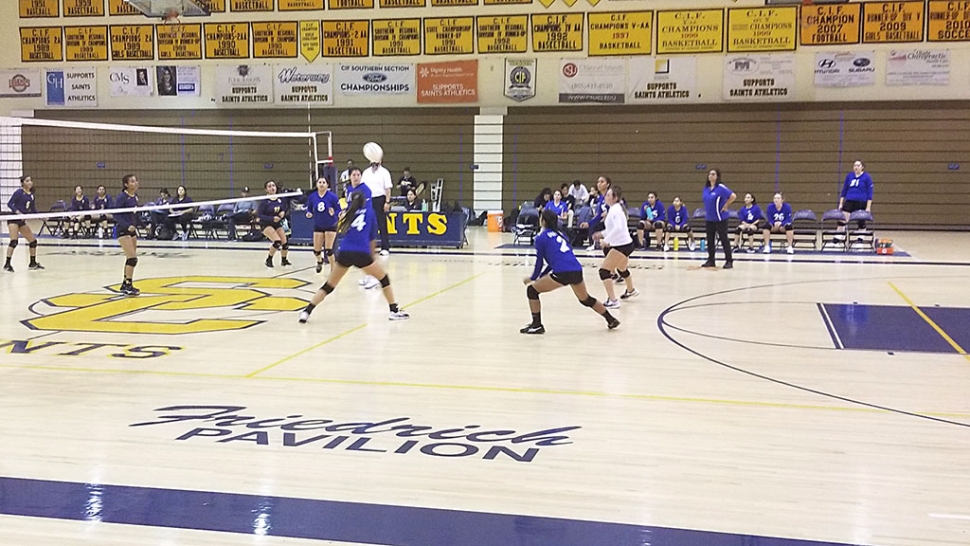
(316, 160)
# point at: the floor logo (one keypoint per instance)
(168, 306)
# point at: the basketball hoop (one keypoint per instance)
(171, 17)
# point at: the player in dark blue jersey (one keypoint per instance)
(322, 206)
(357, 186)
(678, 221)
(80, 203)
(751, 221)
(653, 215)
(126, 230)
(563, 270)
(102, 202)
(22, 202)
(271, 213)
(779, 220)
(856, 192)
(359, 227)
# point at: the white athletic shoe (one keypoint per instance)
(627, 294)
(691, 246)
(304, 316)
(766, 249)
(371, 283)
(591, 247)
(385, 253)
(666, 248)
(363, 280)
(790, 250)
(611, 304)
(399, 315)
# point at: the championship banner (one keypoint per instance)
(845, 69)
(20, 82)
(520, 79)
(310, 40)
(87, 43)
(120, 7)
(592, 80)
(507, 34)
(395, 37)
(350, 4)
(662, 79)
(759, 77)
(180, 42)
(73, 88)
(762, 29)
(83, 8)
(918, 67)
(831, 24)
(448, 83)
(275, 40)
(346, 38)
(40, 44)
(132, 43)
(557, 32)
(243, 6)
(39, 8)
(620, 33)
(215, 6)
(129, 81)
(244, 85)
(226, 40)
(302, 85)
(892, 22)
(449, 36)
(301, 5)
(693, 31)
(179, 81)
(375, 79)
(949, 21)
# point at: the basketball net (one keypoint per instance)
(171, 17)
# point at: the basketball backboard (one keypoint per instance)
(167, 8)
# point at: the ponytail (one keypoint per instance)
(551, 220)
(356, 203)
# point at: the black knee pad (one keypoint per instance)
(316, 253)
(277, 245)
(386, 281)
(326, 288)
(605, 274)
(32, 244)
(131, 262)
(13, 244)
(589, 301)
(328, 252)
(285, 246)
(532, 293)
(625, 273)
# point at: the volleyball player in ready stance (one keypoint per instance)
(359, 226)
(617, 247)
(322, 207)
(126, 230)
(22, 202)
(552, 248)
(270, 214)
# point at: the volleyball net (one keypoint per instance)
(213, 165)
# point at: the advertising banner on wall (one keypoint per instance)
(179, 81)
(918, 67)
(845, 69)
(520, 79)
(74, 87)
(375, 79)
(449, 82)
(662, 79)
(244, 84)
(759, 78)
(592, 80)
(20, 82)
(303, 84)
(130, 81)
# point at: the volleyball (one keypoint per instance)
(373, 152)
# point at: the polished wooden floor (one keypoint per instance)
(722, 403)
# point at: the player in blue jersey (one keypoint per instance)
(271, 213)
(557, 205)
(359, 228)
(322, 206)
(22, 202)
(653, 215)
(856, 192)
(779, 218)
(126, 231)
(678, 221)
(79, 203)
(102, 202)
(751, 220)
(563, 270)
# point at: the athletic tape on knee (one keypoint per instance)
(625, 273)
(13, 244)
(590, 301)
(277, 245)
(33, 244)
(605, 274)
(132, 262)
(532, 293)
(386, 281)
(326, 288)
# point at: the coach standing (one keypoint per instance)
(717, 198)
(378, 181)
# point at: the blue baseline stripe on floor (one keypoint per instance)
(336, 521)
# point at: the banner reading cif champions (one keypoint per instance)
(375, 79)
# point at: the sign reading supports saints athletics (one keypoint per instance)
(765, 77)
(762, 29)
(40, 44)
(227, 40)
(949, 21)
(302, 85)
(831, 24)
(892, 22)
(394, 37)
(695, 31)
(180, 42)
(39, 8)
(87, 43)
(620, 33)
(509, 34)
(132, 43)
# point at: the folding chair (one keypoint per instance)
(733, 222)
(58, 221)
(526, 225)
(862, 238)
(832, 236)
(806, 227)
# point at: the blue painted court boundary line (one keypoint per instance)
(336, 521)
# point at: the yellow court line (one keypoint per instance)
(516, 390)
(356, 328)
(932, 324)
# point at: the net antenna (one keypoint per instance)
(170, 11)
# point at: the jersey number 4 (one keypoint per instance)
(358, 222)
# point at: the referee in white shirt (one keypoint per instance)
(378, 181)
